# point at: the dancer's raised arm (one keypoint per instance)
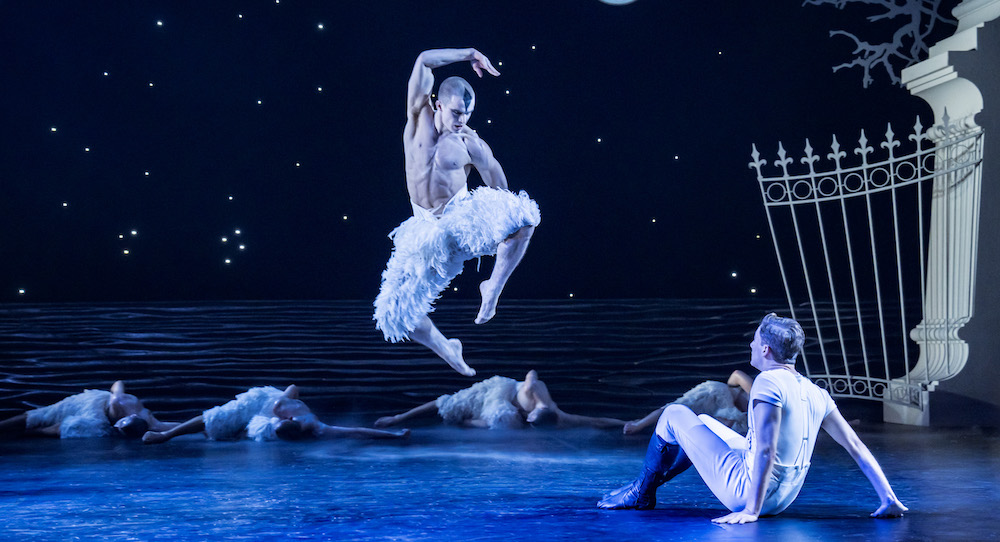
(739, 378)
(422, 78)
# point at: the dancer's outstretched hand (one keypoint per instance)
(630, 428)
(737, 517)
(481, 63)
(891, 509)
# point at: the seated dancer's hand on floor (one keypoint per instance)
(737, 517)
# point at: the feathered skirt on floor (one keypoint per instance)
(491, 401)
(80, 415)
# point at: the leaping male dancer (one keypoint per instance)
(450, 224)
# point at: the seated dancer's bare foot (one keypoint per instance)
(403, 433)
(386, 421)
(154, 437)
(456, 360)
(488, 308)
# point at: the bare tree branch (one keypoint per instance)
(908, 44)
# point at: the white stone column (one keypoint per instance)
(954, 222)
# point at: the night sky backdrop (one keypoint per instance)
(135, 136)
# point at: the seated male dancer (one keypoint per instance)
(761, 474)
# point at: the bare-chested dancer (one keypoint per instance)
(93, 413)
(501, 402)
(724, 402)
(450, 224)
(265, 413)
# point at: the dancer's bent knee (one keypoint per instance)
(673, 419)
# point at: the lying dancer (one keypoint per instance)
(501, 402)
(762, 473)
(724, 402)
(93, 413)
(449, 224)
(265, 413)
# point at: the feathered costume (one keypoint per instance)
(491, 400)
(252, 412)
(429, 250)
(80, 415)
(715, 399)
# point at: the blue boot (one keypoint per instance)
(663, 462)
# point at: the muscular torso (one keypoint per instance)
(437, 165)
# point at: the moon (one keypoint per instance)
(617, 2)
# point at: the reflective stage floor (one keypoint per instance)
(607, 358)
(454, 484)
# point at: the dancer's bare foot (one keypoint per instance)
(488, 308)
(402, 433)
(456, 360)
(386, 421)
(154, 437)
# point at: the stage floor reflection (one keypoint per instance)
(609, 358)
(453, 484)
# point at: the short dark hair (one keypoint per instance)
(783, 336)
(545, 417)
(132, 427)
(289, 430)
